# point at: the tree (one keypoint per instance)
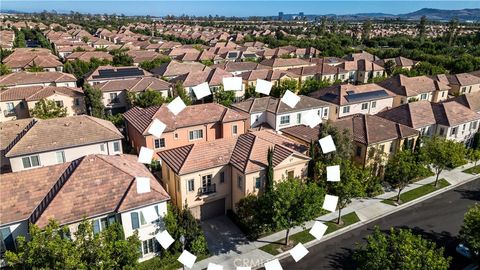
(223, 97)
(400, 249)
(269, 179)
(250, 92)
(85, 39)
(293, 203)
(286, 84)
(366, 29)
(452, 31)
(470, 231)
(401, 170)
(311, 163)
(35, 68)
(421, 27)
(389, 67)
(350, 186)
(122, 59)
(155, 63)
(46, 109)
(179, 91)
(441, 153)
(146, 99)
(311, 85)
(473, 155)
(4, 70)
(93, 100)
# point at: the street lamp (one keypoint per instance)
(182, 240)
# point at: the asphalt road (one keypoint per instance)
(438, 218)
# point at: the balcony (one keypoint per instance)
(8, 113)
(208, 189)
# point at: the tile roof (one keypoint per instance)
(116, 73)
(280, 62)
(28, 57)
(192, 115)
(274, 105)
(134, 85)
(11, 129)
(469, 100)
(339, 94)
(31, 93)
(416, 114)
(214, 77)
(453, 113)
(239, 66)
(99, 184)
(64, 132)
(412, 86)
(461, 79)
(23, 78)
(86, 56)
(175, 68)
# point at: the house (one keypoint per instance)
(174, 69)
(284, 64)
(398, 62)
(235, 168)
(87, 56)
(17, 102)
(140, 56)
(202, 122)
(109, 73)
(348, 99)
(322, 72)
(98, 188)
(250, 78)
(408, 89)
(237, 68)
(115, 93)
(374, 138)
(271, 111)
(471, 101)
(460, 84)
(362, 71)
(450, 120)
(362, 56)
(22, 79)
(38, 142)
(25, 58)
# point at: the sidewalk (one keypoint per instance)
(366, 209)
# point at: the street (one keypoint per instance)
(438, 218)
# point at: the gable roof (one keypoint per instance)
(116, 73)
(343, 94)
(274, 105)
(134, 85)
(214, 77)
(416, 114)
(412, 86)
(31, 93)
(175, 68)
(23, 78)
(469, 100)
(453, 113)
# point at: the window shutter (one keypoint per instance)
(135, 221)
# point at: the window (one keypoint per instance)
(102, 147)
(77, 101)
(473, 125)
(258, 183)
(239, 181)
(191, 185)
(463, 128)
(423, 96)
(234, 130)
(382, 148)
(346, 109)
(464, 89)
(391, 147)
(195, 134)
(374, 104)
(150, 246)
(325, 113)
(443, 94)
(299, 118)
(113, 98)
(102, 223)
(207, 180)
(319, 112)
(175, 135)
(59, 103)
(60, 156)
(6, 239)
(285, 120)
(454, 131)
(159, 143)
(441, 131)
(470, 89)
(222, 177)
(291, 174)
(364, 106)
(10, 107)
(256, 117)
(116, 147)
(137, 219)
(358, 151)
(31, 161)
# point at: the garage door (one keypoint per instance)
(212, 209)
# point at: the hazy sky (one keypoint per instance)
(233, 8)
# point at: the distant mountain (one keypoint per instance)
(441, 14)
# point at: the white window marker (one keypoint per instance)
(333, 173)
(232, 83)
(327, 144)
(311, 119)
(146, 155)
(212, 266)
(273, 265)
(187, 259)
(244, 268)
(298, 252)
(176, 106)
(318, 230)
(150, 214)
(263, 87)
(330, 203)
(156, 128)
(143, 184)
(290, 99)
(202, 90)
(165, 239)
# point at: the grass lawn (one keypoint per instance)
(305, 236)
(416, 193)
(165, 263)
(473, 170)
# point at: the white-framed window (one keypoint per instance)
(285, 120)
(454, 131)
(473, 125)
(299, 118)
(234, 130)
(60, 156)
(31, 161)
(346, 109)
(239, 182)
(10, 107)
(325, 112)
(101, 224)
(258, 183)
(195, 135)
(159, 143)
(207, 180)
(116, 146)
(423, 96)
(59, 103)
(113, 98)
(138, 219)
(102, 147)
(364, 106)
(374, 104)
(191, 185)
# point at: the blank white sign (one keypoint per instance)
(232, 83)
(212, 266)
(145, 156)
(318, 230)
(330, 203)
(263, 87)
(333, 173)
(327, 144)
(290, 99)
(187, 259)
(202, 90)
(273, 265)
(156, 128)
(298, 252)
(311, 119)
(176, 106)
(165, 239)
(149, 214)
(143, 184)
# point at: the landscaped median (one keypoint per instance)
(473, 170)
(417, 192)
(305, 236)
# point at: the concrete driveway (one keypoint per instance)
(222, 235)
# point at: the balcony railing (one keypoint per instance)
(208, 189)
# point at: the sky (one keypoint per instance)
(232, 7)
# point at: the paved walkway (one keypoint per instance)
(247, 253)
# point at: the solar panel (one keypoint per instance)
(329, 97)
(116, 73)
(366, 96)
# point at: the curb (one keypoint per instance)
(286, 254)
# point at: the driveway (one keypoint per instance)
(222, 235)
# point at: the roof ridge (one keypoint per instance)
(19, 136)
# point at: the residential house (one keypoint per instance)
(235, 168)
(237, 68)
(271, 111)
(17, 102)
(23, 79)
(362, 71)
(25, 58)
(107, 73)
(398, 62)
(471, 101)
(348, 99)
(202, 122)
(38, 142)
(408, 89)
(460, 84)
(98, 188)
(250, 78)
(87, 56)
(362, 56)
(284, 64)
(322, 72)
(174, 69)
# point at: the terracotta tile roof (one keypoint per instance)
(475, 73)
(399, 61)
(99, 184)
(268, 75)
(86, 56)
(416, 115)
(192, 115)
(453, 114)
(175, 68)
(340, 94)
(412, 86)
(274, 105)
(32, 93)
(280, 62)
(64, 132)
(23, 78)
(214, 77)
(462, 79)
(239, 66)
(322, 69)
(469, 100)
(11, 129)
(95, 74)
(134, 85)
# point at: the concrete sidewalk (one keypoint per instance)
(368, 210)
